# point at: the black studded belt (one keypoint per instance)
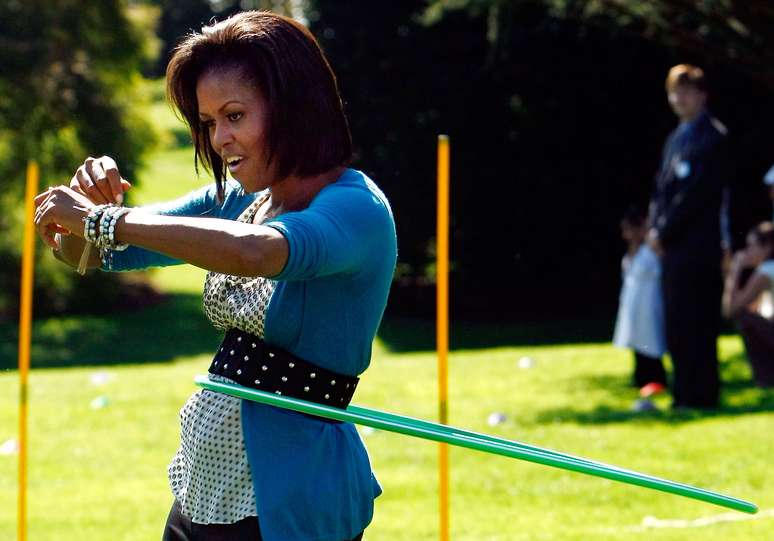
(249, 361)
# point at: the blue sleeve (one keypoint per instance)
(344, 227)
(201, 202)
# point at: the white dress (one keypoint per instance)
(640, 322)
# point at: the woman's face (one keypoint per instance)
(234, 114)
(757, 253)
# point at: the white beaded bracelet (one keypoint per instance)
(107, 235)
(90, 222)
(107, 217)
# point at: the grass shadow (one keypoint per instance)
(758, 401)
(174, 327)
(739, 396)
(403, 335)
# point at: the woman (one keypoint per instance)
(301, 252)
(740, 301)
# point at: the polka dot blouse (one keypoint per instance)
(210, 475)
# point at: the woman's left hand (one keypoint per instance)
(60, 210)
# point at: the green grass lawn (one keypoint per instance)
(100, 473)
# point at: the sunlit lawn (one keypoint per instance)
(99, 473)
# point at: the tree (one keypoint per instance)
(67, 90)
(181, 17)
(720, 33)
(556, 113)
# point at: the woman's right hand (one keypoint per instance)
(99, 180)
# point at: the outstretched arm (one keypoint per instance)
(210, 243)
(213, 244)
(92, 181)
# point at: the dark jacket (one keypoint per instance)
(685, 208)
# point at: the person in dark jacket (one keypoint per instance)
(685, 231)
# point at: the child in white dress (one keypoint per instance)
(640, 322)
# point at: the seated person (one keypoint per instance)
(741, 301)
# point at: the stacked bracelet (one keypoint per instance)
(90, 223)
(100, 229)
(90, 235)
(106, 216)
(107, 228)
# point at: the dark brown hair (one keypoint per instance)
(307, 131)
(686, 74)
(764, 235)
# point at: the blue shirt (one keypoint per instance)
(312, 480)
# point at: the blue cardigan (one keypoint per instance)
(312, 480)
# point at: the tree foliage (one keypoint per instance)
(555, 109)
(67, 90)
(181, 17)
(720, 32)
(556, 113)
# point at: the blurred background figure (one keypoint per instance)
(685, 215)
(742, 300)
(640, 322)
(768, 180)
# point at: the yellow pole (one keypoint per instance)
(25, 337)
(442, 324)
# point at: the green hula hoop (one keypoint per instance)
(480, 442)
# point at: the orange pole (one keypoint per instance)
(25, 337)
(442, 324)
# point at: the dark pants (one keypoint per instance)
(758, 335)
(692, 293)
(648, 370)
(180, 528)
